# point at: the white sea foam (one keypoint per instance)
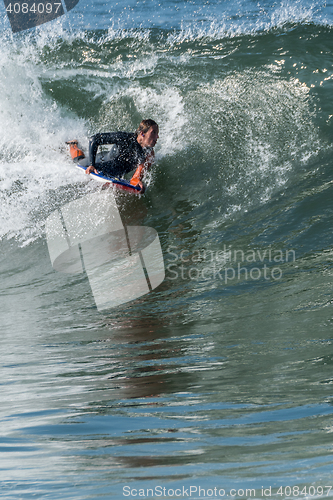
(32, 134)
(244, 18)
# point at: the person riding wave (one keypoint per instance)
(130, 151)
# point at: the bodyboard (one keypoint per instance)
(118, 183)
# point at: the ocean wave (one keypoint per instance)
(246, 123)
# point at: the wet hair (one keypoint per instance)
(145, 126)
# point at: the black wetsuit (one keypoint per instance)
(125, 155)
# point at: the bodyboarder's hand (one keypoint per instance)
(90, 169)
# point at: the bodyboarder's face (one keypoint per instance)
(148, 139)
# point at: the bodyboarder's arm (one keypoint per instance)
(136, 179)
